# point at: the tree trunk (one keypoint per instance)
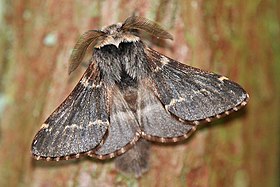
(239, 39)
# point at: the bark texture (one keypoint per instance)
(239, 39)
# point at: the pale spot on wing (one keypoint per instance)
(99, 157)
(243, 103)
(44, 126)
(181, 120)
(85, 82)
(89, 152)
(73, 126)
(157, 69)
(222, 78)
(204, 91)
(196, 122)
(164, 60)
(208, 120)
(111, 155)
(162, 139)
(194, 128)
(122, 150)
(175, 139)
(173, 102)
(98, 122)
(99, 85)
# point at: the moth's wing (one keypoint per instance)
(123, 131)
(190, 93)
(78, 125)
(156, 123)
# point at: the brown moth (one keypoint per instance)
(131, 95)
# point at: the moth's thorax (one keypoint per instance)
(114, 35)
(128, 58)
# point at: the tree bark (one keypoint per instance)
(239, 39)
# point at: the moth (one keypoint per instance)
(131, 95)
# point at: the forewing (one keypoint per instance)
(78, 125)
(190, 93)
(156, 123)
(123, 131)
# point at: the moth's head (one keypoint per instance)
(114, 35)
(112, 29)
